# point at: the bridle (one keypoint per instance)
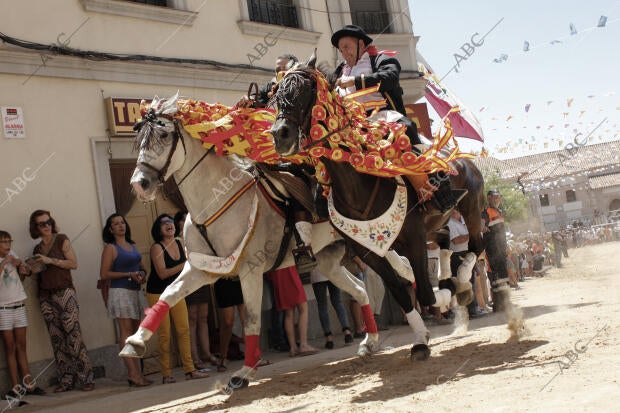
(176, 136)
(303, 120)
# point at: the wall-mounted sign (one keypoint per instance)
(123, 113)
(13, 122)
(418, 113)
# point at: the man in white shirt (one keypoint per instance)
(363, 67)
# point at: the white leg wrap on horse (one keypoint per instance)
(463, 273)
(245, 372)
(400, 266)
(444, 264)
(420, 332)
(142, 335)
(442, 299)
(305, 231)
(371, 342)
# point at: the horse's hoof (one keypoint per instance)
(364, 353)
(132, 351)
(238, 383)
(420, 352)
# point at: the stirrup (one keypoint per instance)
(446, 202)
(305, 261)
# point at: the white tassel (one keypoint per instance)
(444, 264)
(305, 231)
(420, 332)
(442, 299)
(401, 265)
(463, 273)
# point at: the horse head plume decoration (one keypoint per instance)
(157, 142)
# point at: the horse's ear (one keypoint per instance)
(311, 63)
(328, 71)
(170, 105)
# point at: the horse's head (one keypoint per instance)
(157, 142)
(295, 96)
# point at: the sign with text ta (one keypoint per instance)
(123, 113)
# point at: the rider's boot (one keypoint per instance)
(445, 198)
(435, 193)
(304, 257)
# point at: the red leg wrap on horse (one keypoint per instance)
(155, 315)
(369, 319)
(252, 352)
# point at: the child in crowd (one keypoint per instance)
(13, 320)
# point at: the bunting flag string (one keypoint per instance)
(572, 32)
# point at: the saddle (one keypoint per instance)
(286, 181)
(291, 185)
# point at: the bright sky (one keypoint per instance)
(584, 67)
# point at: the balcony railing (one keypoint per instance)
(273, 12)
(373, 21)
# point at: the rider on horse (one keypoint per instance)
(365, 67)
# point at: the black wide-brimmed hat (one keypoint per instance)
(351, 30)
(493, 192)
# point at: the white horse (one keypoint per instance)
(231, 229)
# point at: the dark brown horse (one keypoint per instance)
(358, 195)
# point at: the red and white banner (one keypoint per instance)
(464, 123)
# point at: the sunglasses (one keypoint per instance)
(166, 221)
(43, 224)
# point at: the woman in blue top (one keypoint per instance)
(121, 262)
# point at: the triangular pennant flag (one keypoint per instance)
(526, 46)
(527, 108)
(573, 29)
(602, 21)
(569, 102)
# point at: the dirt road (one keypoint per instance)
(568, 361)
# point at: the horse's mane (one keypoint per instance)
(151, 131)
(289, 92)
(150, 135)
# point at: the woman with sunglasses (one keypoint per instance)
(167, 261)
(59, 304)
